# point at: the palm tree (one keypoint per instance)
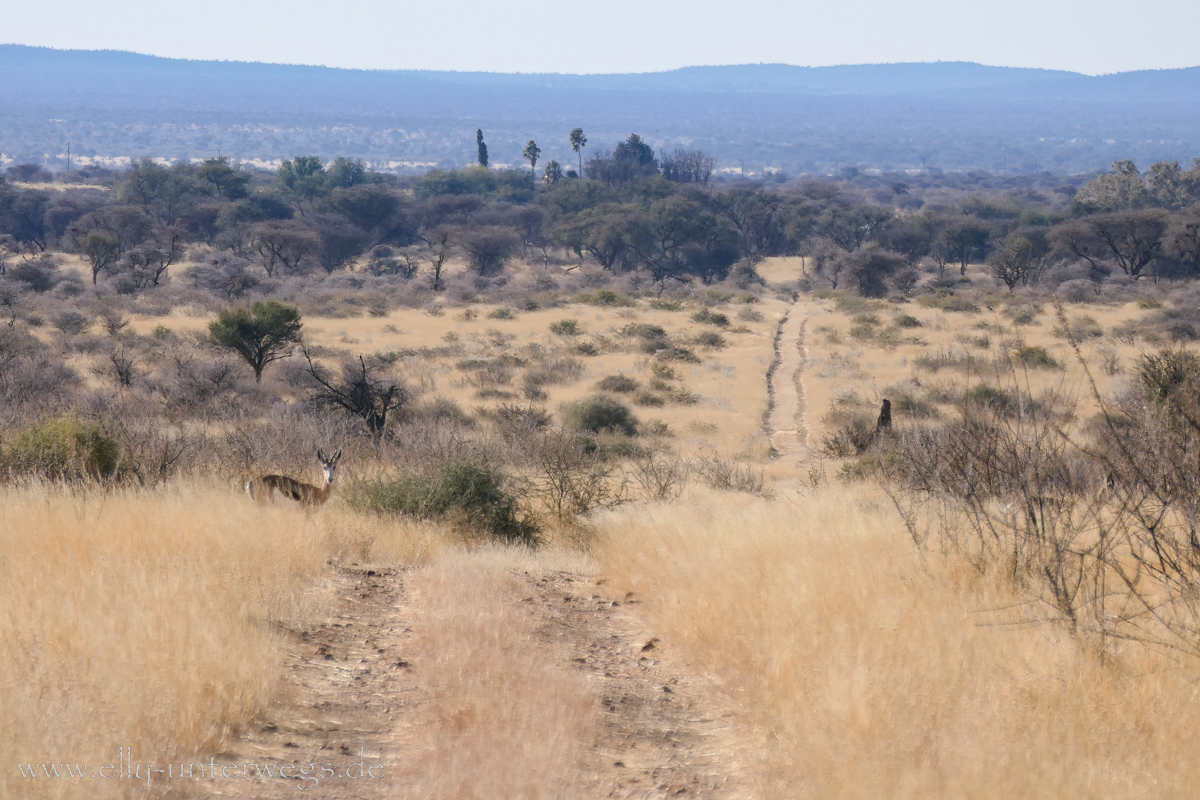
(532, 151)
(578, 140)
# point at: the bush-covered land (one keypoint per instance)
(533, 363)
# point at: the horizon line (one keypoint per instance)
(594, 74)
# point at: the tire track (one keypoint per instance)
(787, 429)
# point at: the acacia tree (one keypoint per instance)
(1013, 262)
(101, 250)
(553, 173)
(578, 142)
(282, 245)
(1132, 240)
(964, 240)
(264, 333)
(302, 181)
(226, 181)
(147, 264)
(488, 246)
(532, 151)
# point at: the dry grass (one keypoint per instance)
(730, 383)
(502, 720)
(868, 367)
(880, 677)
(149, 619)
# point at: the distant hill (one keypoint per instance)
(951, 115)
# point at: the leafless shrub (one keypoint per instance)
(123, 366)
(484, 373)
(721, 473)
(1103, 526)
(853, 436)
(661, 475)
(32, 376)
(570, 479)
(359, 392)
(155, 451)
(69, 322)
(114, 322)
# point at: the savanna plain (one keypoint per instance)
(599, 532)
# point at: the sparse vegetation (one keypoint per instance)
(600, 413)
(456, 373)
(469, 495)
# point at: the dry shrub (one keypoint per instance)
(877, 678)
(502, 719)
(569, 478)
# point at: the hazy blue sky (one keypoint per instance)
(1093, 36)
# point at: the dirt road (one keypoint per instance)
(786, 425)
(353, 691)
(354, 688)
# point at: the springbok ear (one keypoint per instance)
(320, 455)
(338, 455)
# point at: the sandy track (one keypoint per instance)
(786, 425)
(350, 685)
(664, 730)
(347, 689)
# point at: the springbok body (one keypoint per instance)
(263, 488)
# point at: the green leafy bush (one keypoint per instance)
(598, 413)
(711, 318)
(645, 398)
(64, 448)
(666, 305)
(471, 496)
(1036, 356)
(622, 384)
(604, 297)
(565, 327)
(997, 399)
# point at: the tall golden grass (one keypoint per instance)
(503, 720)
(878, 675)
(148, 619)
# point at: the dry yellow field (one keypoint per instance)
(151, 618)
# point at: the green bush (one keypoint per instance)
(947, 301)
(862, 332)
(471, 496)
(676, 353)
(644, 398)
(621, 384)
(604, 297)
(1000, 400)
(1163, 372)
(666, 305)
(908, 321)
(1036, 356)
(64, 448)
(644, 330)
(565, 327)
(711, 318)
(598, 413)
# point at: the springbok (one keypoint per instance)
(262, 489)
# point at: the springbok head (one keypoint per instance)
(329, 463)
